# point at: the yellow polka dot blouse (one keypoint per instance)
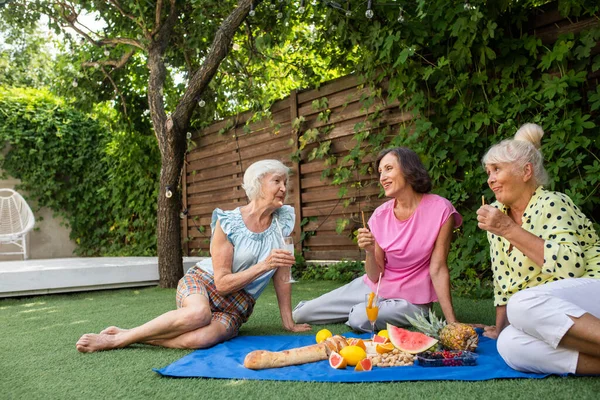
(571, 247)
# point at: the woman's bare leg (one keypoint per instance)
(584, 336)
(200, 338)
(194, 314)
(112, 330)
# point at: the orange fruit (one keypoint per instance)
(384, 348)
(357, 342)
(380, 339)
(337, 361)
(353, 354)
(364, 365)
(322, 335)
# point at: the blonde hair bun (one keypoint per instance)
(531, 133)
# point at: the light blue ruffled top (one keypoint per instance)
(250, 248)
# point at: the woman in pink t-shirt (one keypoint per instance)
(407, 243)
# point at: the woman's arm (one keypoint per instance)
(438, 269)
(283, 290)
(221, 251)
(375, 259)
(495, 221)
(559, 253)
(501, 322)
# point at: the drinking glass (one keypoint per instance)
(288, 244)
(372, 308)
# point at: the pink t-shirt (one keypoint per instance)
(408, 246)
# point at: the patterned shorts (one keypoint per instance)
(231, 310)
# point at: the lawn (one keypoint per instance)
(39, 359)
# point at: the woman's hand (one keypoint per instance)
(297, 327)
(366, 240)
(493, 220)
(491, 332)
(279, 258)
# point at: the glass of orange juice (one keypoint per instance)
(372, 308)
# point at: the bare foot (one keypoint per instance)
(92, 342)
(113, 330)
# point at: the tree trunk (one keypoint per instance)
(170, 262)
(171, 142)
(170, 132)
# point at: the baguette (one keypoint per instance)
(262, 359)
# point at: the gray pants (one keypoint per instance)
(347, 304)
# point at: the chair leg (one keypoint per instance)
(25, 247)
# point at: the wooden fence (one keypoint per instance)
(214, 169)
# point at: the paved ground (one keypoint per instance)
(31, 277)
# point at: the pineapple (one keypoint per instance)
(454, 336)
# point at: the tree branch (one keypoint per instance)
(119, 40)
(217, 52)
(71, 20)
(157, 18)
(112, 63)
(117, 91)
(116, 4)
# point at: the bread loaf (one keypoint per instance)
(262, 359)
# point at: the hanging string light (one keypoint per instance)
(201, 103)
(252, 13)
(401, 16)
(468, 6)
(183, 213)
(369, 13)
(75, 84)
(301, 9)
(168, 192)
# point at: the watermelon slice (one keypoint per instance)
(409, 342)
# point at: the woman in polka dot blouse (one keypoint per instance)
(545, 258)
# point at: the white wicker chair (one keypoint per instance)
(16, 220)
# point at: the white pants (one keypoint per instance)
(539, 318)
(347, 304)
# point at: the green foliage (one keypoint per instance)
(471, 76)
(344, 271)
(100, 179)
(25, 57)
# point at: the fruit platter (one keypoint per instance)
(447, 358)
(438, 344)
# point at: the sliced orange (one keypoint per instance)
(364, 365)
(337, 361)
(384, 348)
(380, 339)
(357, 342)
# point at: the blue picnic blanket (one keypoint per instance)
(226, 360)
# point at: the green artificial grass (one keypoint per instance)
(38, 359)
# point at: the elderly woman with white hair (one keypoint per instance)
(545, 258)
(217, 296)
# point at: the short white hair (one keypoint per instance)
(523, 149)
(256, 172)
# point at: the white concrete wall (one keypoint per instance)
(48, 239)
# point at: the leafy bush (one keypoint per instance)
(343, 271)
(470, 76)
(102, 181)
